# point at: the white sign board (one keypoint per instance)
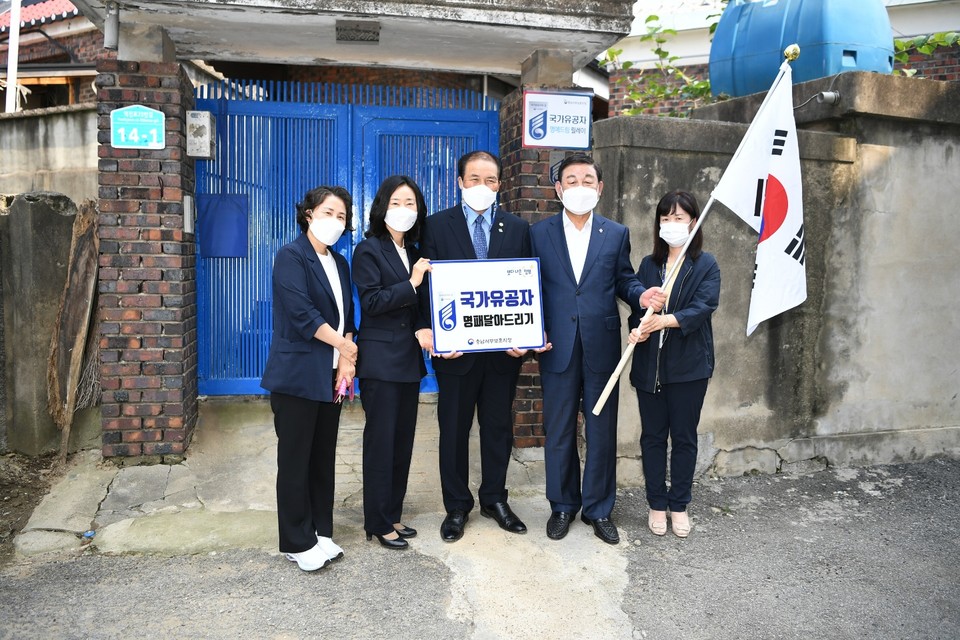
(558, 120)
(486, 305)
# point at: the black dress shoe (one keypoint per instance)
(451, 529)
(406, 532)
(397, 543)
(559, 524)
(604, 529)
(505, 517)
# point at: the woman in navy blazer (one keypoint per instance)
(311, 355)
(674, 359)
(387, 269)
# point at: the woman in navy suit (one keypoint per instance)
(387, 269)
(674, 359)
(311, 356)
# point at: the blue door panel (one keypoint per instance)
(422, 144)
(274, 142)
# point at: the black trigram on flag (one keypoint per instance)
(758, 206)
(797, 249)
(779, 140)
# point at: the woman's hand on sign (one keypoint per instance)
(420, 267)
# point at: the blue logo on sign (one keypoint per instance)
(448, 316)
(538, 126)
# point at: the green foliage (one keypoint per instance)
(664, 81)
(925, 45)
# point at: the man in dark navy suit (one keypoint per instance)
(468, 382)
(584, 268)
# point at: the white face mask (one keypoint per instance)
(401, 219)
(479, 197)
(674, 233)
(327, 230)
(579, 200)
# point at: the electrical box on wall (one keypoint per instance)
(201, 134)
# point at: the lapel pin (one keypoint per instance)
(601, 230)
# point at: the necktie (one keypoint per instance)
(479, 239)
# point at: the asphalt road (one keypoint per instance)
(848, 553)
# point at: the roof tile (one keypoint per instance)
(40, 12)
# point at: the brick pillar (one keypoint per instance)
(147, 284)
(528, 192)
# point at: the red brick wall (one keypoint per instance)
(942, 64)
(527, 192)
(86, 47)
(618, 90)
(147, 281)
(385, 76)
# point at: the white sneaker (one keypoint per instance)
(329, 547)
(311, 559)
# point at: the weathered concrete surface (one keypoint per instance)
(50, 150)
(81, 489)
(68, 510)
(473, 37)
(851, 553)
(189, 532)
(226, 485)
(856, 374)
(861, 93)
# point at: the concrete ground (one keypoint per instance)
(189, 551)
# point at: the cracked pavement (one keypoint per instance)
(189, 550)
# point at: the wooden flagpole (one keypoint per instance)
(615, 376)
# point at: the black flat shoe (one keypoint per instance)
(399, 543)
(406, 532)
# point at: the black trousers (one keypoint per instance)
(672, 413)
(306, 455)
(391, 411)
(490, 393)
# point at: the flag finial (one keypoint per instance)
(792, 52)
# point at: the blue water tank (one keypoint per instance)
(834, 36)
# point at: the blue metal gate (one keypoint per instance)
(275, 141)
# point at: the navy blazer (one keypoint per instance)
(299, 364)
(388, 313)
(446, 237)
(687, 353)
(589, 304)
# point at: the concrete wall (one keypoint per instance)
(50, 150)
(864, 371)
(35, 233)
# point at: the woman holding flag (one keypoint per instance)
(674, 358)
